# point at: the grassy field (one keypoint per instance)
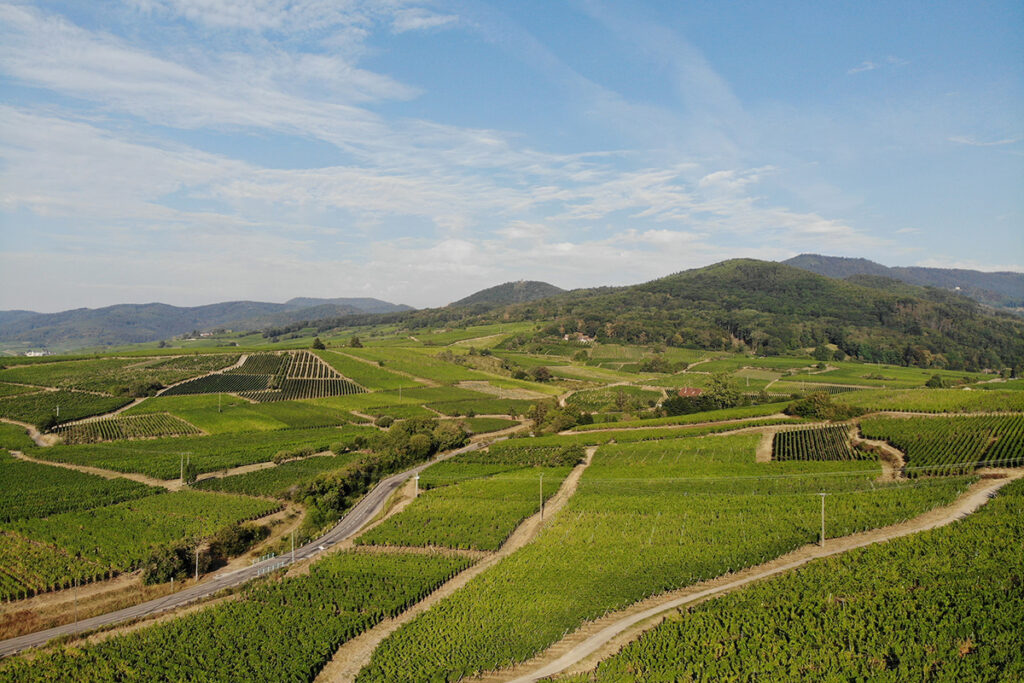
(162, 458)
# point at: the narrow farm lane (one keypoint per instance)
(582, 650)
(352, 523)
(353, 655)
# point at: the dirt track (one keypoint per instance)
(353, 655)
(599, 639)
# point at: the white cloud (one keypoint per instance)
(970, 140)
(866, 65)
(419, 19)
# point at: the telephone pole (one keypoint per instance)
(542, 496)
(416, 494)
(293, 546)
(822, 518)
(197, 563)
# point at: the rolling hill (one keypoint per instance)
(510, 293)
(1003, 289)
(135, 323)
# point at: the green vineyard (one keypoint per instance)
(33, 490)
(952, 445)
(217, 384)
(478, 514)
(49, 553)
(296, 389)
(126, 427)
(816, 443)
(946, 602)
(53, 407)
(280, 631)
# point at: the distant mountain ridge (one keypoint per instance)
(519, 292)
(136, 323)
(1003, 289)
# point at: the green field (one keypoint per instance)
(952, 445)
(940, 605)
(145, 426)
(162, 458)
(32, 490)
(646, 518)
(279, 481)
(936, 400)
(116, 375)
(369, 375)
(48, 553)
(278, 631)
(476, 514)
(45, 407)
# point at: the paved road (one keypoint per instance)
(350, 524)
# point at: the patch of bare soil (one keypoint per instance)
(353, 655)
(890, 458)
(38, 437)
(596, 640)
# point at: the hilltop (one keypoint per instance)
(510, 293)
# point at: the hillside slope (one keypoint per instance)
(510, 293)
(134, 323)
(772, 308)
(1003, 289)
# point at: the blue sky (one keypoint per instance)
(194, 151)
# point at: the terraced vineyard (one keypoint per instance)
(934, 602)
(215, 384)
(32, 490)
(279, 481)
(48, 553)
(161, 458)
(52, 407)
(952, 445)
(646, 518)
(295, 389)
(478, 514)
(117, 375)
(280, 631)
(817, 443)
(126, 427)
(260, 364)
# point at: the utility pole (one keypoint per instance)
(293, 546)
(417, 491)
(182, 456)
(822, 518)
(219, 396)
(197, 562)
(76, 599)
(542, 496)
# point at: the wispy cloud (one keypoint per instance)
(871, 65)
(973, 142)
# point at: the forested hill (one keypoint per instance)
(997, 289)
(510, 293)
(133, 323)
(772, 308)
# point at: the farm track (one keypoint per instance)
(40, 439)
(775, 416)
(355, 654)
(169, 484)
(351, 524)
(408, 375)
(582, 650)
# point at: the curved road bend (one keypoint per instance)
(356, 518)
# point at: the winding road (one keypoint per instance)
(353, 521)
